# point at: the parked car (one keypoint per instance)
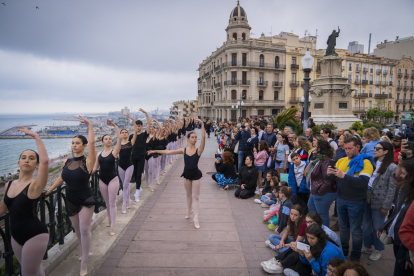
(394, 125)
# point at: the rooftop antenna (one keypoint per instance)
(316, 34)
(369, 44)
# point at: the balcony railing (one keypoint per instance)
(356, 82)
(399, 87)
(384, 72)
(262, 83)
(357, 69)
(384, 83)
(360, 109)
(207, 74)
(371, 82)
(411, 101)
(277, 83)
(51, 212)
(255, 64)
(294, 66)
(294, 100)
(378, 83)
(405, 88)
(364, 82)
(390, 83)
(390, 95)
(365, 70)
(216, 68)
(378, 71)
(411, 88)
(244, 82)
(381, 96)
(406, 76)
(401, 101)
(294, 83)
(217, 85)
(370, 95)
(361, 95)
(302, 83)
(412, 76)
(400, 75)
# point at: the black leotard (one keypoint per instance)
(23, 216)
(107, 168)
(78, 192)
(191, 171)
(155, 144)
(179, 133)
(125, 156)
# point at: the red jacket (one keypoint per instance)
(406, 233)
(396, 153)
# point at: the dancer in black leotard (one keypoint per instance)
(125, 166)
(79, 196)
(29, 235)
(108, 180)
(191, 172)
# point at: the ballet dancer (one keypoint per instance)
(191, 172)
(79, 196)
(159, 132)
(108, 179)
(125, 167)
(29, 236)
(149, 159)
(164, 146)
(138, 152)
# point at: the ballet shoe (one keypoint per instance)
(112, 232)
(189, 214)
(109, 224)
(84, 272)
(158, 183)
(128, 205)
(123, 210)
(196, 224)
(80, 259)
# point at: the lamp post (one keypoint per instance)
(240, 105)
(307, 63)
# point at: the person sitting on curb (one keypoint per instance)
(247, 180)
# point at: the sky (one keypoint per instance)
(96, 56)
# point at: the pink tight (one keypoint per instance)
(30, 254)
(126, 178)
(163, 163)
(192, 188)
(82, 224)
(109, 192)
(157, 166)
(149, 170)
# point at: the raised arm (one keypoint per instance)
(117, 148)
(134, 136)
(148, 120)
(160, 129)
(40, 182)
(167, 152)
(203, 139)
(90, 160)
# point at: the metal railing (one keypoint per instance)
(384, 72)
(277, 83)
(360, 109)
(378, 71)
(357, 69)
(51, 210)
(406, 76)
(377, 82)
(399, 87)
(255, 64)
(294, 100)
(365, 70)
(361, 95)
(294, 83)
(262, 83)
(364, 82)
(294, 66)
(381, 96)
(400, 75)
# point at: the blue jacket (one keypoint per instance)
(368, 148)
(357, 163)
(303, 187)
(242, 136)
(320, 264)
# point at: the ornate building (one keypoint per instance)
(184, 109)
(404, 83)
(242, 69)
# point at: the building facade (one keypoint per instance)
(243, 69)
(404, 80)
(295, 50)
(398, 49)
(372, 79)
(184, 109)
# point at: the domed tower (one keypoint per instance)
(238, 28)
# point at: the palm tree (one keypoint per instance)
(287, 118)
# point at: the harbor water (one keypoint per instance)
(10, 149)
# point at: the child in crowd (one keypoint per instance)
(297, 180)
(269, 199)
(276, 205)
(333, 265)
(260, 159)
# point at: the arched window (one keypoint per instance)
(276, 96)
(233, 94)
(276, 62)
(234, 36)
(243, 36)
(261, 95)
(261, 61)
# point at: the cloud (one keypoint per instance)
(41, 84)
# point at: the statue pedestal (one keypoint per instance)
(332, 95)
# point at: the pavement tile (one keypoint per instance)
(183, 225)
(180, 271)
(188, 235)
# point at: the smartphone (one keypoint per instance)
(410, 145)
(302, 246)
(332, 163)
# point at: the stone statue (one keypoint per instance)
(330, 51)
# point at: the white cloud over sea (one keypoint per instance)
(33, 84)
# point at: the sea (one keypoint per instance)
(10, 149)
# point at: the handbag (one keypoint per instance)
(236, 148)
(385, 239)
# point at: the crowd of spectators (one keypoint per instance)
(366, 181)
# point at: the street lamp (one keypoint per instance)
(307, 63)
(239, 105)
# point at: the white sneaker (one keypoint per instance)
(273, 269)
(366, 250)
(290, 272)
(375, 256)
(257, 191)
(258, 201)
(137, 193)
(269, 262)
(270, 245)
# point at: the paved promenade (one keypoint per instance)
(160, 241)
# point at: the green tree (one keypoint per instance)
(374, 113)
(389, 114)
(358, 125)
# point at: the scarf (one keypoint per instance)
(357, 163)
(311, 166)
(251, 137)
